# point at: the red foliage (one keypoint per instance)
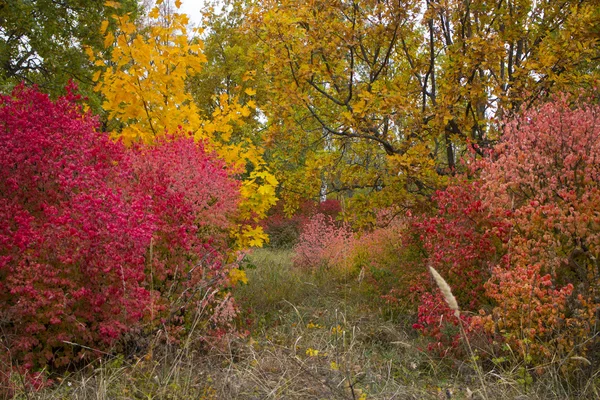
(436, 321)
(522, 240)
(72, 245)
(323, 243)
(544, 178)
(461, 242)
(80, 218)
(329, 207)
(193, 201)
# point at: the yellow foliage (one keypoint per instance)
(399, 92)
(250, 236)
(237, 275)
(144, 89)
(312, 352)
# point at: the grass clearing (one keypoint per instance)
(318, 335)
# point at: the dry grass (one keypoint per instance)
(314, 337)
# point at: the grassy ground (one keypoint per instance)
(316, 335)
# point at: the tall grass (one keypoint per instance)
(313, 337)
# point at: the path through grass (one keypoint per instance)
(314, 335)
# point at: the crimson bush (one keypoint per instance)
(462, 242)
(544, 178)
(193, 201)
(72, 246)
(520, 244)
(323, 243)
(95, 237)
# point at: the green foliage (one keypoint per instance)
(42, 42)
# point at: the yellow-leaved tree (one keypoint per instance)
(142, 76)
(379, 100)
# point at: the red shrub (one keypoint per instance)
(72, 245)
(436, 321)
(523, 240)
(193, 200)
(330, 207)
(322, 243)
(461, 242)
(80, 219)
(544, 177)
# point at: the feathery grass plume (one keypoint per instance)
(582, 359)
(446, 291)
(453, 304)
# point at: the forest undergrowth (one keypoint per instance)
(312, 335)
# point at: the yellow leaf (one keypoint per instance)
(226, 136)
(360, 106)
(270, 179)
(236, 275)
(103, 27)
(108, 40)
(254, 237)
(347, 115)
(184, 19)
(112, 4)
(128, 28)
(89, 52)
(178, 3)
(248, 76)
(154, 13)
(250, 92)
(312, 352)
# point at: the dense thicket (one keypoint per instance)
(97, 238)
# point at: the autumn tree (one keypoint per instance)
(382, 98)
(43, 42)
(231, 72)
(231, 64)
(146, 97)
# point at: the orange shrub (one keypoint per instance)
(544, 180)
